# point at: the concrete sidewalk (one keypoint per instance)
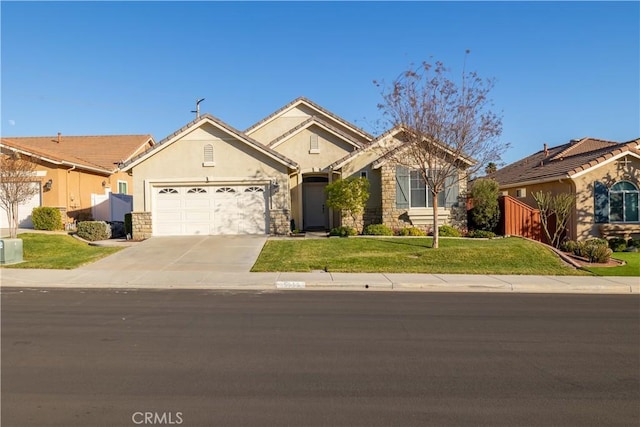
(168, 279)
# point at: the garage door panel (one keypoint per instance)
(198, 216)
(24, 211)
(196, 204)
(213, 209)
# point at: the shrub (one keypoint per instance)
(595, 250)
(569, 246)
(485, 213)
(46, 218)
(94, 230)
(481, 234)
(598, 253)
(617, 244)
(378, 230)
(128, 224)
(448, 231)
(634, 243)
(409, 231)
(343, 231)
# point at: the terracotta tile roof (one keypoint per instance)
(311, 120)
(561, 161)
(302, 99)
(100, 152)
(228, 128)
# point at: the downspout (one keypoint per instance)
(68, 205)
(573, 230)
(572, 227)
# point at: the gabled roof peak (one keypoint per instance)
(304, 100)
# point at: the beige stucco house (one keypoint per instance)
(210, 178)
(603, 175)
(74, 172)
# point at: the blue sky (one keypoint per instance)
(563, 69)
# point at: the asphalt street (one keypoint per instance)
(73, 357)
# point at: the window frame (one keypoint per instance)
(126, 186)
(624, 194)
(415, 176)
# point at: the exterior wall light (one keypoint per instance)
(48, 185)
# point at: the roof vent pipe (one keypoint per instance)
(546, 150)
(59, 135)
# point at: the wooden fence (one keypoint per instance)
(519, 219)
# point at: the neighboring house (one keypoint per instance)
(210, 178)
(603, 175)
(76, 174)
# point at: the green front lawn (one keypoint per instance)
(58, 251)
(631, 268)
(411, 255)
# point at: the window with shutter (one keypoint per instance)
(623, 202)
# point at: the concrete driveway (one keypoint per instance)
(235, 254)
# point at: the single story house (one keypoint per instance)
(210, 178)
(75, 173)
(603, 175)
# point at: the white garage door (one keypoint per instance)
(222, 209)
(24, 211)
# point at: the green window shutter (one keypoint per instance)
(402, 187)
(451, 190)
(601, 202)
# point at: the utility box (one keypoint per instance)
(10, 251)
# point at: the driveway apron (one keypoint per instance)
(235, 254)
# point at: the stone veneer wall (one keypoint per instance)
(392, 217)
(279, 222)
(141, 225)
(368, 217)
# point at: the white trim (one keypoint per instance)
(159, 147)
(126, 186)
(296, 104)
(316, 123)
(609, 160)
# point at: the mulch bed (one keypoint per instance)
(584, 262)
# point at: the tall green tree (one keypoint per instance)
(349, 196)
(485, 213)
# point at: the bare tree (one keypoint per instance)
(450, 132)
(558, 206)
(16, 186)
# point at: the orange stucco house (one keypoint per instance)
(604, 176)
(73, 171)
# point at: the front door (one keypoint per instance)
(315, 210)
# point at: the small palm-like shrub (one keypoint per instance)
(595, 250)
(94, 230)
(378, 230)
(46, 218)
